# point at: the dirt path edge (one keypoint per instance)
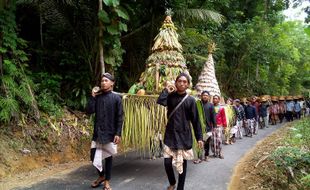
(238, 172)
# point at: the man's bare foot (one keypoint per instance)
(171, 187)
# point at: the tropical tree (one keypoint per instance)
(16, 92)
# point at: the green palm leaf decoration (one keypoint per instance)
(166, 61)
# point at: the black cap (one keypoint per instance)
(108, 76)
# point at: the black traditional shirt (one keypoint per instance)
(108, 111)
(240, 112)
(210, 115)
(178, 134)
(250, 112)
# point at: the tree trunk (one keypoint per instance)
(2, 6)
(101, 58)
(34, 104)
(1, 59)
(1, 62)
(41, 23)
(248, 79)
(257, 67)
(157, 77)
(267, 4)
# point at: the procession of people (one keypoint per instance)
(224, 124)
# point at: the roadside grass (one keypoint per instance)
(292, 160)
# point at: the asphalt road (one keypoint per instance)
(133, 173)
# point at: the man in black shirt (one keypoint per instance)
(210, 120)
(178, 135)
(108, 110)
(250, 115)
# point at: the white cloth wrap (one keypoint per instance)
(103, 151)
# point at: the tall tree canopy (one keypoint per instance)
(50, 49)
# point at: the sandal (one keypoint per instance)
(171, 187)
(198, 161)
(107, 188)
(213, 156)
(206, 159)
(97, 182)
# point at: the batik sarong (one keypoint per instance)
(216, 141)
(178, 156)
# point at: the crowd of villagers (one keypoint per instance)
(243, 117)
(222, 123)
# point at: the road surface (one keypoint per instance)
(134, 173)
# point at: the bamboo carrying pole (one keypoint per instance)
(101, 56)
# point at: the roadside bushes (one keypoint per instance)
(293, 159)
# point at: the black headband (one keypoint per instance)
(205, 92)
(108, 76)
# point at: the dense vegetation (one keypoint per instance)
(292, 160)
(51, 52)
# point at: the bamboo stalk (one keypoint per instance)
(157, 76)
(262, 159)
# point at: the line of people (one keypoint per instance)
(235, 120)
(238, 118)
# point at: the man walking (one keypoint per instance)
(209, 120)
(178, 135)
(263, 111)
(297, 109)
(240, 117)
(282, 109)
(289, 109)
(250, 115)
(108, 110)
(216, 141)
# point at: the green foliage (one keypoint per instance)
(110, 3)
(9, 107)
(291, 157)
(264, 59)
(16, 86)
(263, 54)
(47, 103)
(305, 181)
(104, 17)
(49, 82)
(293, 160)
(114, 17)
(300, 134)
